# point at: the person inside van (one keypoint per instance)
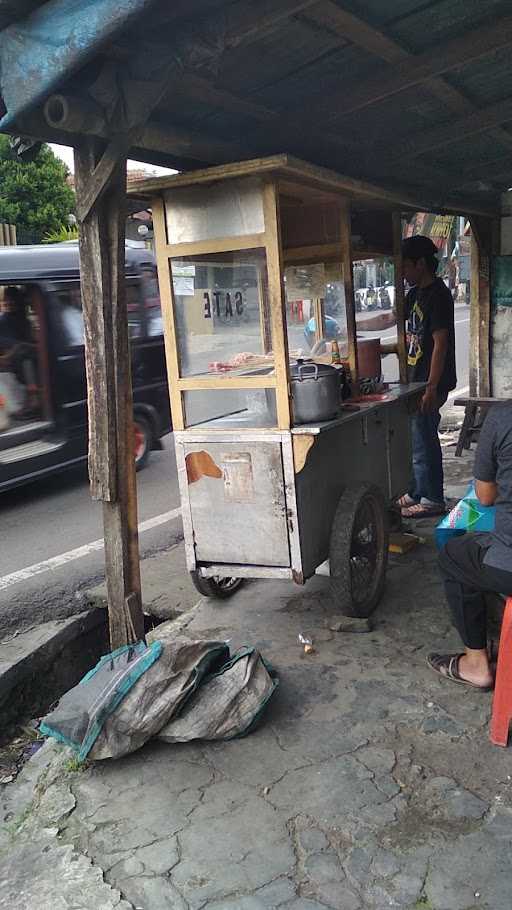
(17, 349)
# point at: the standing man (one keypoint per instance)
(431, 359)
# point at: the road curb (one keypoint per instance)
(39, 665)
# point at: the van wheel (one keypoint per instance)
(143, 437)
(216, 587)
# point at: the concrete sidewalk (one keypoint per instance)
(370, 784)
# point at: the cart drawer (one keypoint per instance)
(237, 502)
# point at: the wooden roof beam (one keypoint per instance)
(245, 23)
(377, 42)
(479, 121)
(202, 90)
(348, 26)
(490, 171)
(415, 70)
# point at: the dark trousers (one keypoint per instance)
(427, 458)
(466, 579)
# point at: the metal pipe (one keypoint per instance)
(74, 115)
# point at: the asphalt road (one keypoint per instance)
(51, 531)
(51, 539)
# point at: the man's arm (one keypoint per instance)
(376, 323)
(486, 492)
(486, 464)
(429, 400)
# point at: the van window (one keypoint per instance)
(70, 313)
(23, 384)
(151, 298)
(142, 320)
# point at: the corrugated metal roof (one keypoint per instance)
(207, 80)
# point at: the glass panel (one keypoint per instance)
(230, 208)
(230, 408)
(374, 291)
(306, 286)
(222, 313)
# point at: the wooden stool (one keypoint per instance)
(467, 428)
(502, 700)
(474, 414)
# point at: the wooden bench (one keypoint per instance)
(472, 420)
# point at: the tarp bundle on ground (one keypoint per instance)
(229, 703)
(180, 689)
(468, 515)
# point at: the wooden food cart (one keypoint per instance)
(247, 255)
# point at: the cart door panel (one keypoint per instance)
(237, 503)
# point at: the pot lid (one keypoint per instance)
(308, 369)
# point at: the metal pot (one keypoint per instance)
(316, 391)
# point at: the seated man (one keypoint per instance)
(480, 562)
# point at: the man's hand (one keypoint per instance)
(429, 400)
(486, 491)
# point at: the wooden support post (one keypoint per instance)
(318, 311)
(348, 282)
(168, 314)
(399, 296)
(474, 318)
(480, 312)
(265, 327)
(109, 387)
(277, 302)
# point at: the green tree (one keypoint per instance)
(34, 195)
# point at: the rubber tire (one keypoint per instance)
(208, 587)
(145, 426)
(340, 547)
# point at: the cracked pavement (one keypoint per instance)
(370, 784)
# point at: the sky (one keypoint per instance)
(66, 154)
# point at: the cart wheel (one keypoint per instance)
(216, 587)
(359, 550)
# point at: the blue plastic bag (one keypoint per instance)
(468, 515)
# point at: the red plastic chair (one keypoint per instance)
(502, 700)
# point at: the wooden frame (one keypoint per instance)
(348, 281)
(167, 303)
(270, 242)
(308, 182)
(399, 296)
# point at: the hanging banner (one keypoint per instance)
(437, 227)
(501, 291)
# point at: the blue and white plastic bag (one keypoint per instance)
(468, 515)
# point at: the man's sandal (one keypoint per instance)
(447, 666)
(405, 501)
(423, 510)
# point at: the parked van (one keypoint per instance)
(43, 392)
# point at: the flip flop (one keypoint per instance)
(447, 666)
(422, 510)
(405, 501)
